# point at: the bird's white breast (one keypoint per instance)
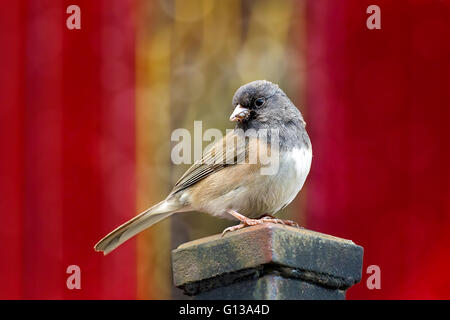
(294, 169)
(302, 159)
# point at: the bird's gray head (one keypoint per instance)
(262, 103)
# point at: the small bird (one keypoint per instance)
(224, 182)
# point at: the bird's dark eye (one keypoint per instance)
(259, 102)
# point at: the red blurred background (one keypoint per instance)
(376, 103)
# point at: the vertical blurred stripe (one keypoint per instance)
(82, 101)
(98, 146)
(43, 215)
(153, 45)
(142, 144)
(118, 139)
(12, 42)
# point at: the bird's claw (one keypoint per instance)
(233, 228)
(246, 222)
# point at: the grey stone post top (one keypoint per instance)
(267, 250)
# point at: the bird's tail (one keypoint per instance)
(132, 227)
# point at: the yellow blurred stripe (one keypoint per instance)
(152, 126)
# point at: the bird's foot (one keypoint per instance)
(281, 221)
(246, 222)
(272, 219)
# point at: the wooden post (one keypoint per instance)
(267, 261)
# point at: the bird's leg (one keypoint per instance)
(245, 222)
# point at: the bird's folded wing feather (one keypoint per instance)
(230, 150)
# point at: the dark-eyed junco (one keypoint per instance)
(230, 181)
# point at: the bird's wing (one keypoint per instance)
(230, 150)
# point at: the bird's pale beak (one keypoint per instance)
(239, 113)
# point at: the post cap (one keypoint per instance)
(253, 252)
